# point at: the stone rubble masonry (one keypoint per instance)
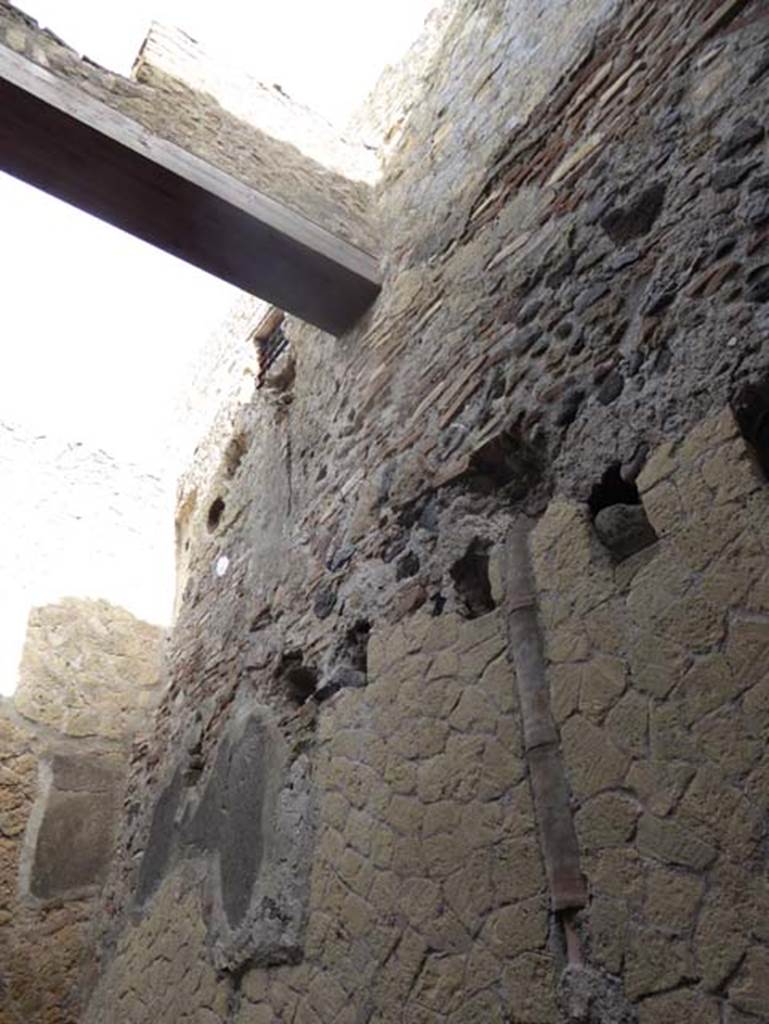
(428, 890)
(574, 229)
(91, 675)
(386, 111)
(89, 669)
(322, 176)
(659, 670)
(573, 288)
(429, 898)
(169, 54)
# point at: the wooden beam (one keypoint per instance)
(59, 139)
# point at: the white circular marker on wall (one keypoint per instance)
(222, 565)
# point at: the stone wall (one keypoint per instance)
(429, 898)
(659, 684)
(476, 607)
(90, 679)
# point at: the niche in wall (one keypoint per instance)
(618, 515)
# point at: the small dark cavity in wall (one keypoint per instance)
(634, 220)
(613, 489)
(357, 645)
(407, 566)
(509, 461)
(619, 517)
(325, 602)
(751, 411)
(215, 513)
(470, 574)
(298, 680)
(349, 665)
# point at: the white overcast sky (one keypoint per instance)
(327, 52)
(97, 326)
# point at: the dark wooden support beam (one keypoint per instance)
(57, 138)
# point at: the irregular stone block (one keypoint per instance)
(668, 842)
(592, 761)
(750, 990)
(624, 529)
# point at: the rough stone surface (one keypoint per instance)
(424, 837)
(89, 669)
(574, 295)
(92, 675)
(679, 920)
(100, 530)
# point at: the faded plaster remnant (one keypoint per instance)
(251, 820)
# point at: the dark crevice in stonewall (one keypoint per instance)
(751, 411)
(299, 680)
(612, 489)
(407, 566)
(625, 223)
(508, 460)
(349, 665)
(215, 513)
(357, 645)
(619, 518)
(470, 574)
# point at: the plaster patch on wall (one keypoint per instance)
(254, 820)
(71, 831)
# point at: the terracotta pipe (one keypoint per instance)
(574, 954)
(549, 785)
